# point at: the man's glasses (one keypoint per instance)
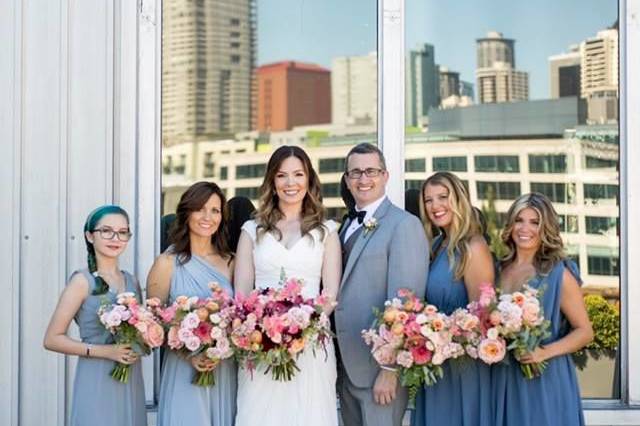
(109, 234)
(370, 172)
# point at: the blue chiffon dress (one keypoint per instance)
(554, 397)
(182, 403)
(462, 396)
(99, 399)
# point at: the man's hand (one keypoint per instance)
(385, 387)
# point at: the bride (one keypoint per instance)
(289, 232)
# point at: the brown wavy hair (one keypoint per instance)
(191, 201)
(551, 248)
(464, 224)
(268, 213)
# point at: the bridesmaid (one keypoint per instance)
(536, 255)
(198, 256)
(460, 262)
(98, 399)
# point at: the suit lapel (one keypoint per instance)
(362, 241)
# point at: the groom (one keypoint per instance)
(384, 249)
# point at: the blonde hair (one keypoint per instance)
(551, 248)
(464, 224)
(268, 213)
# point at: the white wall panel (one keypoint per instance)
(10, 145)
(42, 208)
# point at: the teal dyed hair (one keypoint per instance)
(92, 221)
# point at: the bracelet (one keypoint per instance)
(393, 370)
(88, 353)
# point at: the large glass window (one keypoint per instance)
(246, 171)
(548, 163)
(497, 163)
(449, 164)
(331, 165)
(498, 190)
(528, 95)
(557, 192)
(415, 165)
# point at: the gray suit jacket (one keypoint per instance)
(394, 255)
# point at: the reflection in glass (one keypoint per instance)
(519, 98)
(242, 77)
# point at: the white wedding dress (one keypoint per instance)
(309, 399)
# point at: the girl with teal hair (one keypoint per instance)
(98, 399)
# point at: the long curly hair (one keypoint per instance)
(464, 224)
(191, 201)
(90, 224)
(268, 213)
(551, 248)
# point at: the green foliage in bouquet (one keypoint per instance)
(605, 320)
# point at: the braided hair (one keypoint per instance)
(89, 226)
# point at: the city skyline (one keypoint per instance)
(540, 30)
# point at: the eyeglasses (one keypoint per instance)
(109, 234)
(370, 172)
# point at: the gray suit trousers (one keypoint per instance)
(358, 408)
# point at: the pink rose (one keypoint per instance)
(492, 350)
(173, 340)
(155, 335)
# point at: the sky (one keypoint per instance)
(318, 30)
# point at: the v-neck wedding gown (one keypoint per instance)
(309, 399)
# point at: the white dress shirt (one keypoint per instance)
(370, 209)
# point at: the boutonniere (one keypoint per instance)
(369, 225)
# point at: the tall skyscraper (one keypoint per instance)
(354, 89)
(599, 76)
(496, 76)
(422, 85)
(564, 73)
(208, 61)
(495, 48)
(292, 94)
(449, 83)
(599, 62)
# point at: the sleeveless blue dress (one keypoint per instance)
(182, 403)
(554, 397)
(462, 396)
(99, 399)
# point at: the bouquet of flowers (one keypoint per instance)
(271, 327)
(131, 323)
(414, 338)
(201, 325)
(516, 318)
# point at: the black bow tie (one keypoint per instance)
(355, 214)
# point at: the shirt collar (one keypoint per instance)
(371, 208)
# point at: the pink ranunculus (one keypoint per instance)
(492, 350)
(421, 355)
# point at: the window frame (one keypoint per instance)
(391, 51)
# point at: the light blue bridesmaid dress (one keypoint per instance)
(182, 403)
(99, 399)
(462, 396)
(554, 397)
